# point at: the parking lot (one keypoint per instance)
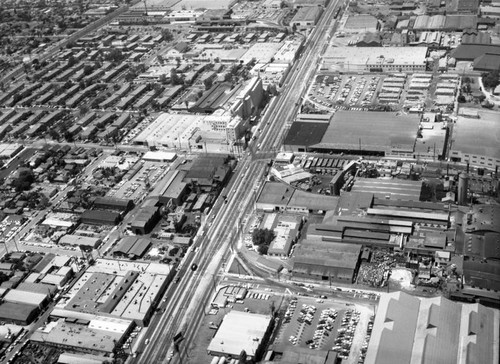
(147, 176)
(360, 92)
(341, 91)
(325, 325)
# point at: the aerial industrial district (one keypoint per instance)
(268, 181)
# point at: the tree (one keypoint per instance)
(461, 99)
(115, 55)
(24, 181)
(262, 249)
(262, 236)
(175, 79)
(87, 70)
(83, 109)
(208, 83)
(243, 357)
(167, 35)
(490, 79)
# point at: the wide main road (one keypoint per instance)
(301, 75)
(189, 296)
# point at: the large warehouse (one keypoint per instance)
(408, 329)
(358, 132)
(473, 141)
(334, 262)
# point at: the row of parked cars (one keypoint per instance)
(345, 333)
(364, 348)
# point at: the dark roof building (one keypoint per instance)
(18, 313)
(329, 262)
(175, 188)
(475, 37)
(356, 132)
(469, 52)
(208, 170)
(113, 203)
(145, 220)
(214, 98)
(482, 279)
(370, 40)
(487, 62)
(132, 247)
(100, 217)
(302, 135)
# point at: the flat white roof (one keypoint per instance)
(240, 331)
(31, 298)
(159, 156)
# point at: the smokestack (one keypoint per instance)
(463, 180)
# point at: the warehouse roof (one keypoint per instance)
(487, 62)
(476, 38)
(100, 215)
(18, 296)
(307, 13)
(395, 189)
(370, 131)
(469, 52)
(361, 21)
(113, 202)
(311, 201)
(71, 358)
(459, 22)
(305, 133)
(409, 328)
(17, 311)
(36, 288)
(476, 137)
(275, 193)
(482, 274)
(482, 246)
(337, 255)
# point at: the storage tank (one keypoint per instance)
(463, 180)
(215, 360)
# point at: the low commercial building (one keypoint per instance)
(286, 229)
(241, 331)
(175, 188)
(145, 220)
(83, 332)
(375, 59)
(159, 156)
(306, 17)
(78, 240)
(131, 247)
